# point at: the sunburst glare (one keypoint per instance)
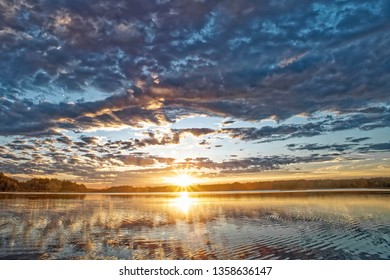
(183, 179)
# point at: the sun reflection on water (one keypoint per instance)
(184, 202)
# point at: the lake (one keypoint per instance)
(189, 226)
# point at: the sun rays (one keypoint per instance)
(183, 179)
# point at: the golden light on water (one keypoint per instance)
(184, 202)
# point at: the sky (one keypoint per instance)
(136, 92)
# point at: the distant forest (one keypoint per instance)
(8, 184)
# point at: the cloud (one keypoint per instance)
(141, 160)
(345, 148)
(207, 55)
(90, 140)
(254, 164)
(375, 147)
(64, 140)
(368, 119)
(79, 66)
(269, 133)
(318, 147)
(287, 61)
(26, 118)
(158, 138)
(357, 140)
(194, 131)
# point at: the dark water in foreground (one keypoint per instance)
(344, 226)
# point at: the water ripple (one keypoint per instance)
(104, 227)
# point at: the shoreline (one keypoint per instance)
(231, 192)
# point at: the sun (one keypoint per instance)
(182, 180)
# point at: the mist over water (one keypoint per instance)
(183, 226)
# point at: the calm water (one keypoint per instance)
(205, 227)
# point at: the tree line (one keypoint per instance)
(8, 184)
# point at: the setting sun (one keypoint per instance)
(182, 180)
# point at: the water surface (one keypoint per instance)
(180, 226)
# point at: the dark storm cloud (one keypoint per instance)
(248, 60)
